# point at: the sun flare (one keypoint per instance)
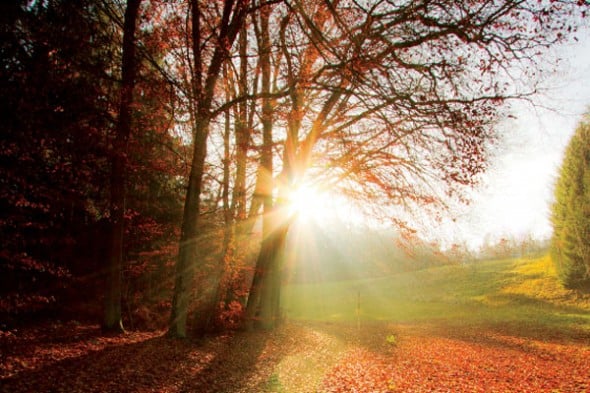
(307, 202)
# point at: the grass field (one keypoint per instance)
(515, 291)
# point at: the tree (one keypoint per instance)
(203, 83)
(112, 317)
(61, 94)
(55, 98)
(395, 104)
(264, 185)
(570, 247)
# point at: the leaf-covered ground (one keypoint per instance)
(320, 357)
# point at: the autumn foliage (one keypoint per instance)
(147, 157)
(59, 98)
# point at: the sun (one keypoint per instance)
(307, 202)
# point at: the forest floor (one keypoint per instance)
(498, 326)
(300, 357)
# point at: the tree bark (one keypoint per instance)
(112, 312)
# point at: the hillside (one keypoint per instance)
(337, 251)
(503, 291)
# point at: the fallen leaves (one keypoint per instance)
(295, 358)
(431, 360)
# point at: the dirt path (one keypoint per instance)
(298, 358)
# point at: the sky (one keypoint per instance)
(516, 194)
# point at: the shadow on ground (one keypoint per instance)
(216, 364)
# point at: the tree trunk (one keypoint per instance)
(228, 253)
(232, 19)
(260, 283)
(264, 184)
(269, 301)
(242, 133)
(206, 322)
(187, 255)
(112, 312)
(237, 225)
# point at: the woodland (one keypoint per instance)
(150, 155)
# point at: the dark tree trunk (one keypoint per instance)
(112, 315)
(187, 257)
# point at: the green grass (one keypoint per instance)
(519, 291)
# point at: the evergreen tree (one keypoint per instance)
(571, 212)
